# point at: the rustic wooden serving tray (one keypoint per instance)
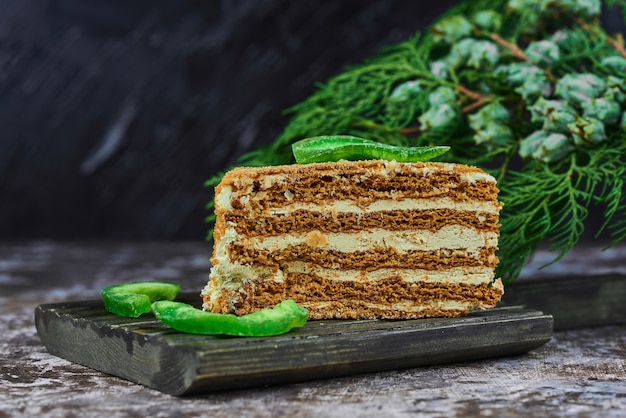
(147, 352)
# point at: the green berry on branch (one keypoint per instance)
(520, 6)
(602, 109)
(403, 98)
(487, 20)
(441, 96)
(438, 116)
(528, 80)
(469, 53)
(531, 143)
(614, 63)
(583, 8)
(451, 29)
(587, 132)
(543, 52)
(483, 54)
(440, 69)
(534, 87)
(546, 147)
(493, 136)
(517, 73)
(492, 113)
(553, 148)
(555, 115)
(405, 91)
(490, 125)
(579, 88)
(615, 89)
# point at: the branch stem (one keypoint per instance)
(407, 130)
(474, 105)
(479, 98)
(471, 93)
(513, 48)
(517, 52)
(616, 42)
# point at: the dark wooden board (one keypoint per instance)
(144, 351)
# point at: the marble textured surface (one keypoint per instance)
(580, 372)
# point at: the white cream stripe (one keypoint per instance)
(448, 237)
(467, 275)
(348, 206)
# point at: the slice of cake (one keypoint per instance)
(356, 239)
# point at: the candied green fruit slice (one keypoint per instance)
(331, 148)
(266, 322)
(135, 298)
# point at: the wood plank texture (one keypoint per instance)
(147, 352)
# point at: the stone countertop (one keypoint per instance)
(579, 372)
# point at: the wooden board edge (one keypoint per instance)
(115, 351)
(536, 331)
(179, 370)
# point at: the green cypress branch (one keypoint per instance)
(533, 91)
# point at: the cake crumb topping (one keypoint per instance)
(315, 239)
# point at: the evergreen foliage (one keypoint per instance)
(532, 91)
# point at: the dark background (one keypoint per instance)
(114, 112)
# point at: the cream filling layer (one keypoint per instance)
(234, 274)
(228, 274)
(224, 198)
(448, 237)
(348, 206)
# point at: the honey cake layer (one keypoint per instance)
(449, 246)
(389, 294)
(362, 182)
(239, 273)
(333, 222)
(366, 260)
